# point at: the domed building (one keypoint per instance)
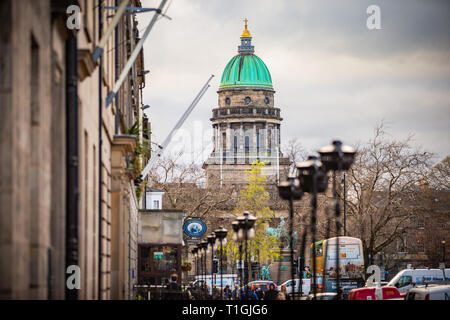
(246, 122)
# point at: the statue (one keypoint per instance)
(282, 234)
(265, 273)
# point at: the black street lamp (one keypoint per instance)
(290, 190)
(345, 203)
(211, 238)
(336, 157)
(236, 225)
(313, 179)
(194, 253)
(221, 239)
(245, 233)
(203, 245)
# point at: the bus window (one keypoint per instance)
(319, 250)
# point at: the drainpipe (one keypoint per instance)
(72, 191)
(100, 142)
(116, 58)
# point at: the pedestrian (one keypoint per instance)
(215, 292)
(272, 293)
(235, 294)
(249, 295)
(227, 293)
(340, 294)
(283, 294)
(173, 284)
(173, 289)
(260, 293)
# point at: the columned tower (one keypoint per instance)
(246, 123)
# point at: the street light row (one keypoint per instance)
(310, 177)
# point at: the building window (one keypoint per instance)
(227, 100)
(155, 204)
(248, 100)
(247, 144)
(257, 140)
(267, 100)
(235, 144)
(224, 141)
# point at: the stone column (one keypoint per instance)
(121, 146)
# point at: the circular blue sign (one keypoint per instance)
(194, 228)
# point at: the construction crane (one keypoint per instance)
(177, 126)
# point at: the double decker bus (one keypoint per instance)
(351, 264)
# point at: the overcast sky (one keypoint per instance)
(332, 75)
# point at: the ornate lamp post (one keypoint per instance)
(203, 245)
(312, 179)
(443, 250)
(245, 233)
(337, 157)
(221, 239)
(235, 226)
(290, 190)
(194, 253)
(211, 238)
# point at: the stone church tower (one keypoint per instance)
(246, 123)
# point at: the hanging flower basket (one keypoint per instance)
(186, 266)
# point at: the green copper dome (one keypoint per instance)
(246, 70)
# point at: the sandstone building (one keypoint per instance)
(67, 185)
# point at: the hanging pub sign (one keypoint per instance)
(194, 227)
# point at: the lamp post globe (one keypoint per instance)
(337, 156)
(312, 175)
(210, 239)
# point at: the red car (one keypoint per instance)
(368, 293)
(262, 284)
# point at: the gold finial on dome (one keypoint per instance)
(246, 33)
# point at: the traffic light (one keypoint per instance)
(215, 266)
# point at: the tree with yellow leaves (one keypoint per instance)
(254, 198)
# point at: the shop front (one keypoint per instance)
(157, 262)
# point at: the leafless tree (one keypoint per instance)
(440, 175)
(184, 186)
(382, 185)
(295, 151)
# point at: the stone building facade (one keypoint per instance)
(67, 185)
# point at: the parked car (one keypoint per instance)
(410, 278)
(429, 292)
(262, 284)
(370, 293)
(290, 284)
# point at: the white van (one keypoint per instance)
(429, 292)
(306, 286)
(410, 278)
